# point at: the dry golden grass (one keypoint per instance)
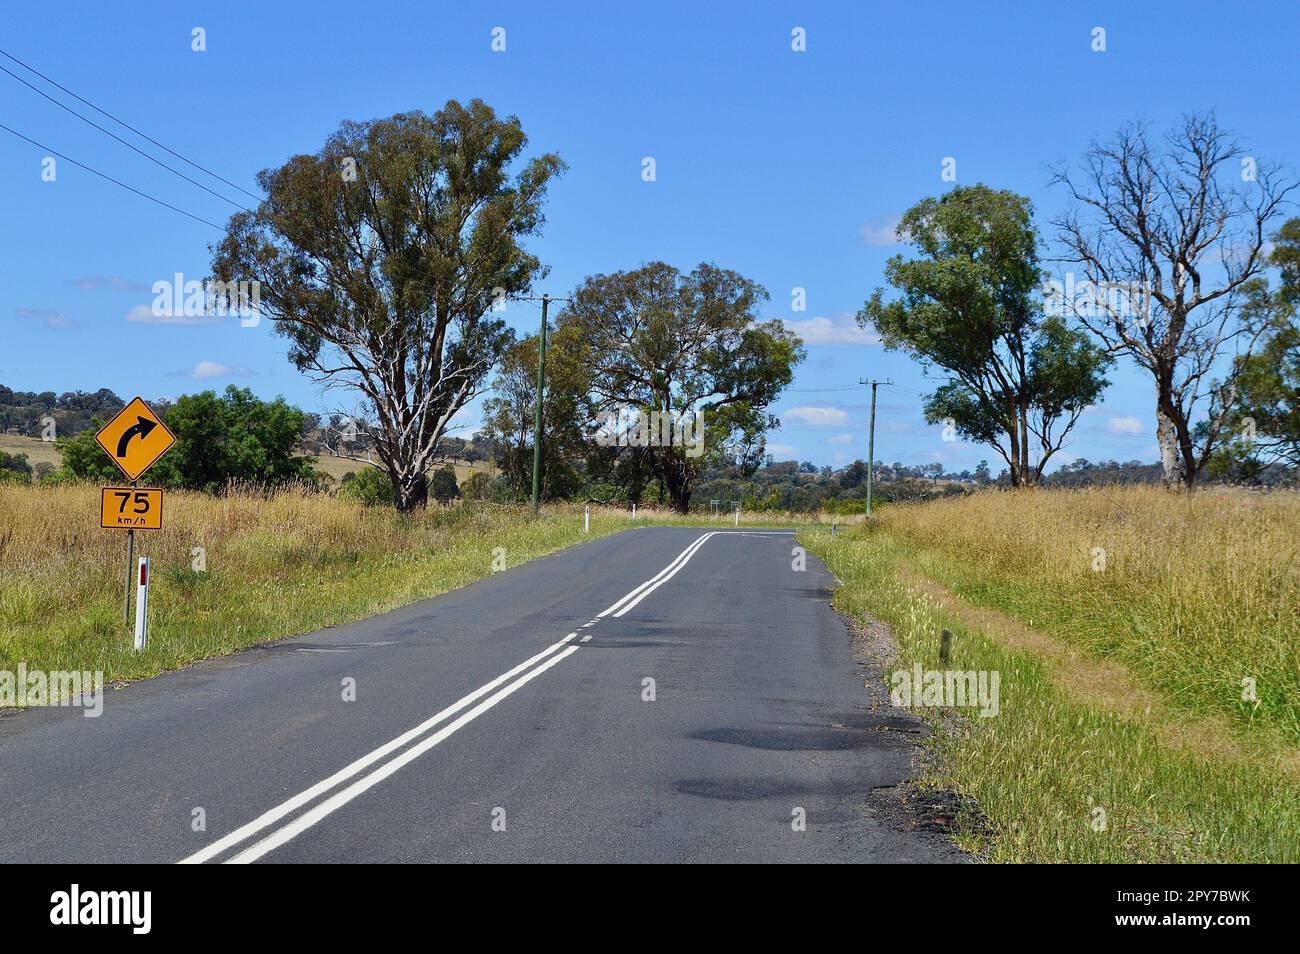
(37, 451)
(1193, 593)
(277, 565)
(336, 467)
(1123, 733)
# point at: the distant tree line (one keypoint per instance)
(221, 439)
(660, 383)
(26, 412)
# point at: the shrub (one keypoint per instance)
(370, 486)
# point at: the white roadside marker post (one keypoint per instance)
(142, 605)
(586, 519)
(737, 514)
(634, 511)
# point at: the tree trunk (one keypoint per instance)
(411, 494)
(1173, 466)
(1191, 473)
(1014, 458)
(678, 486)
(1171, 460)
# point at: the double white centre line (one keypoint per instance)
(361, 773)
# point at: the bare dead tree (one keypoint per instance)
(1182, 224)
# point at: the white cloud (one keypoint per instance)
(1124, 425)
(143, 315)
(782, 450)
(881, 231)
(109, 283)
(816, 416)
(207, 370)
(820, 331)
(45, 317)
(840, 439)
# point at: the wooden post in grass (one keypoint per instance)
(945, 646)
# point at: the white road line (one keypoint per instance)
(661, 579)
(269, 818)
(684, 555)
(337, 801)
(341, 798)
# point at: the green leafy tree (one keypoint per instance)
(369, 486)
(219, 439)
(381, 257)
(477, 486)
(84, 459)
(970, 304)
(15, 464)
(509, 415)
(660, 342)
(443, 484)
(14, 469)
(232, 437)
(1265, 417)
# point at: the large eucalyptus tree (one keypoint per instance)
(381, 257)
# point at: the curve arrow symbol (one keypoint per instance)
(142, 427)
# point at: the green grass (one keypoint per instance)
(1051, 758)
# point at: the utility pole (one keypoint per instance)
(537, 424)
(541, 394)
(871, 438)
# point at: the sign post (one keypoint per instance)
(130, 564)
(135, 438)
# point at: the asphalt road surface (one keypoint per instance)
(512, 720)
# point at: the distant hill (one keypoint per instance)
(21, 412)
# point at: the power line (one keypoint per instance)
(118, 182)
(123, 123)
(175, 172)
(898, 387)
(408, 281)
(849, 387)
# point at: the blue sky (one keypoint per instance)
(789, 167)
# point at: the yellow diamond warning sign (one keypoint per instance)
(135, 438)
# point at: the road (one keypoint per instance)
(512, 720)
